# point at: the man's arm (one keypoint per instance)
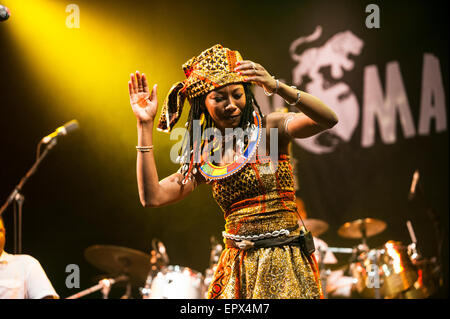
(37, 284)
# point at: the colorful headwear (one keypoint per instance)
(213, 68)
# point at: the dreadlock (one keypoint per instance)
(189, 147)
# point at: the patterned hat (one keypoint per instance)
(213, 68)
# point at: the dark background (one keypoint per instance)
(85, 191)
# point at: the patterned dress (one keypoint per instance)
(256, 200)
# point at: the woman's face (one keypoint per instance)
(225, 105)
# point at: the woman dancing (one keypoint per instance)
(263, 255)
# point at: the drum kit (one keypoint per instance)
(150, 273)
(392, 271)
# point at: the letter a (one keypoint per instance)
(432, 102)
(73, 280)
(73, 19)
(373, 19)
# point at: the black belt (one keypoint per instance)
(263, 243)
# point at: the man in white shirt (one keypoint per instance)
(22, 276)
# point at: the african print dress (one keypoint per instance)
(256, 200)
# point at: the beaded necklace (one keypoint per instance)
(215, 172)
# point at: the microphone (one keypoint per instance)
(62, 130)
(415, 180)
(4, 13)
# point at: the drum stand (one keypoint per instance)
(128, 292)
(146, 290)
(376, 276)
(373, 258)
(364, 235)
(104, 285)
(324, 273)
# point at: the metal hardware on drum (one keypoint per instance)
(174, 282)
(364, 261)
(104, 285)
(159, 254)
(412, 248)
(398, 270)
(171, 281)
(366, 273)
(341, 250)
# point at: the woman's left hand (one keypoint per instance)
(254, 72)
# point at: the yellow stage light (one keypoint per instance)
(83, 72)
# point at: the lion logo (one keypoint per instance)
(334, 54)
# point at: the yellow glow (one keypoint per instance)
(84, 72)
(396, 258)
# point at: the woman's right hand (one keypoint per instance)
(143, 103)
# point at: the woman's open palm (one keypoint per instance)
(143, 103)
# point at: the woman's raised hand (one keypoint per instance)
(256, 73)
(143, 103)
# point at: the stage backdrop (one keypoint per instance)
(382, 68)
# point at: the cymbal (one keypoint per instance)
(355, 228)
(118, 261)
(316, 226)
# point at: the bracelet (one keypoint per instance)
(144, 148)
(276, 89)
(298, 96)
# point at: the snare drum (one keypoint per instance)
(175, 282)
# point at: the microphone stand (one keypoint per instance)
(18, 198)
